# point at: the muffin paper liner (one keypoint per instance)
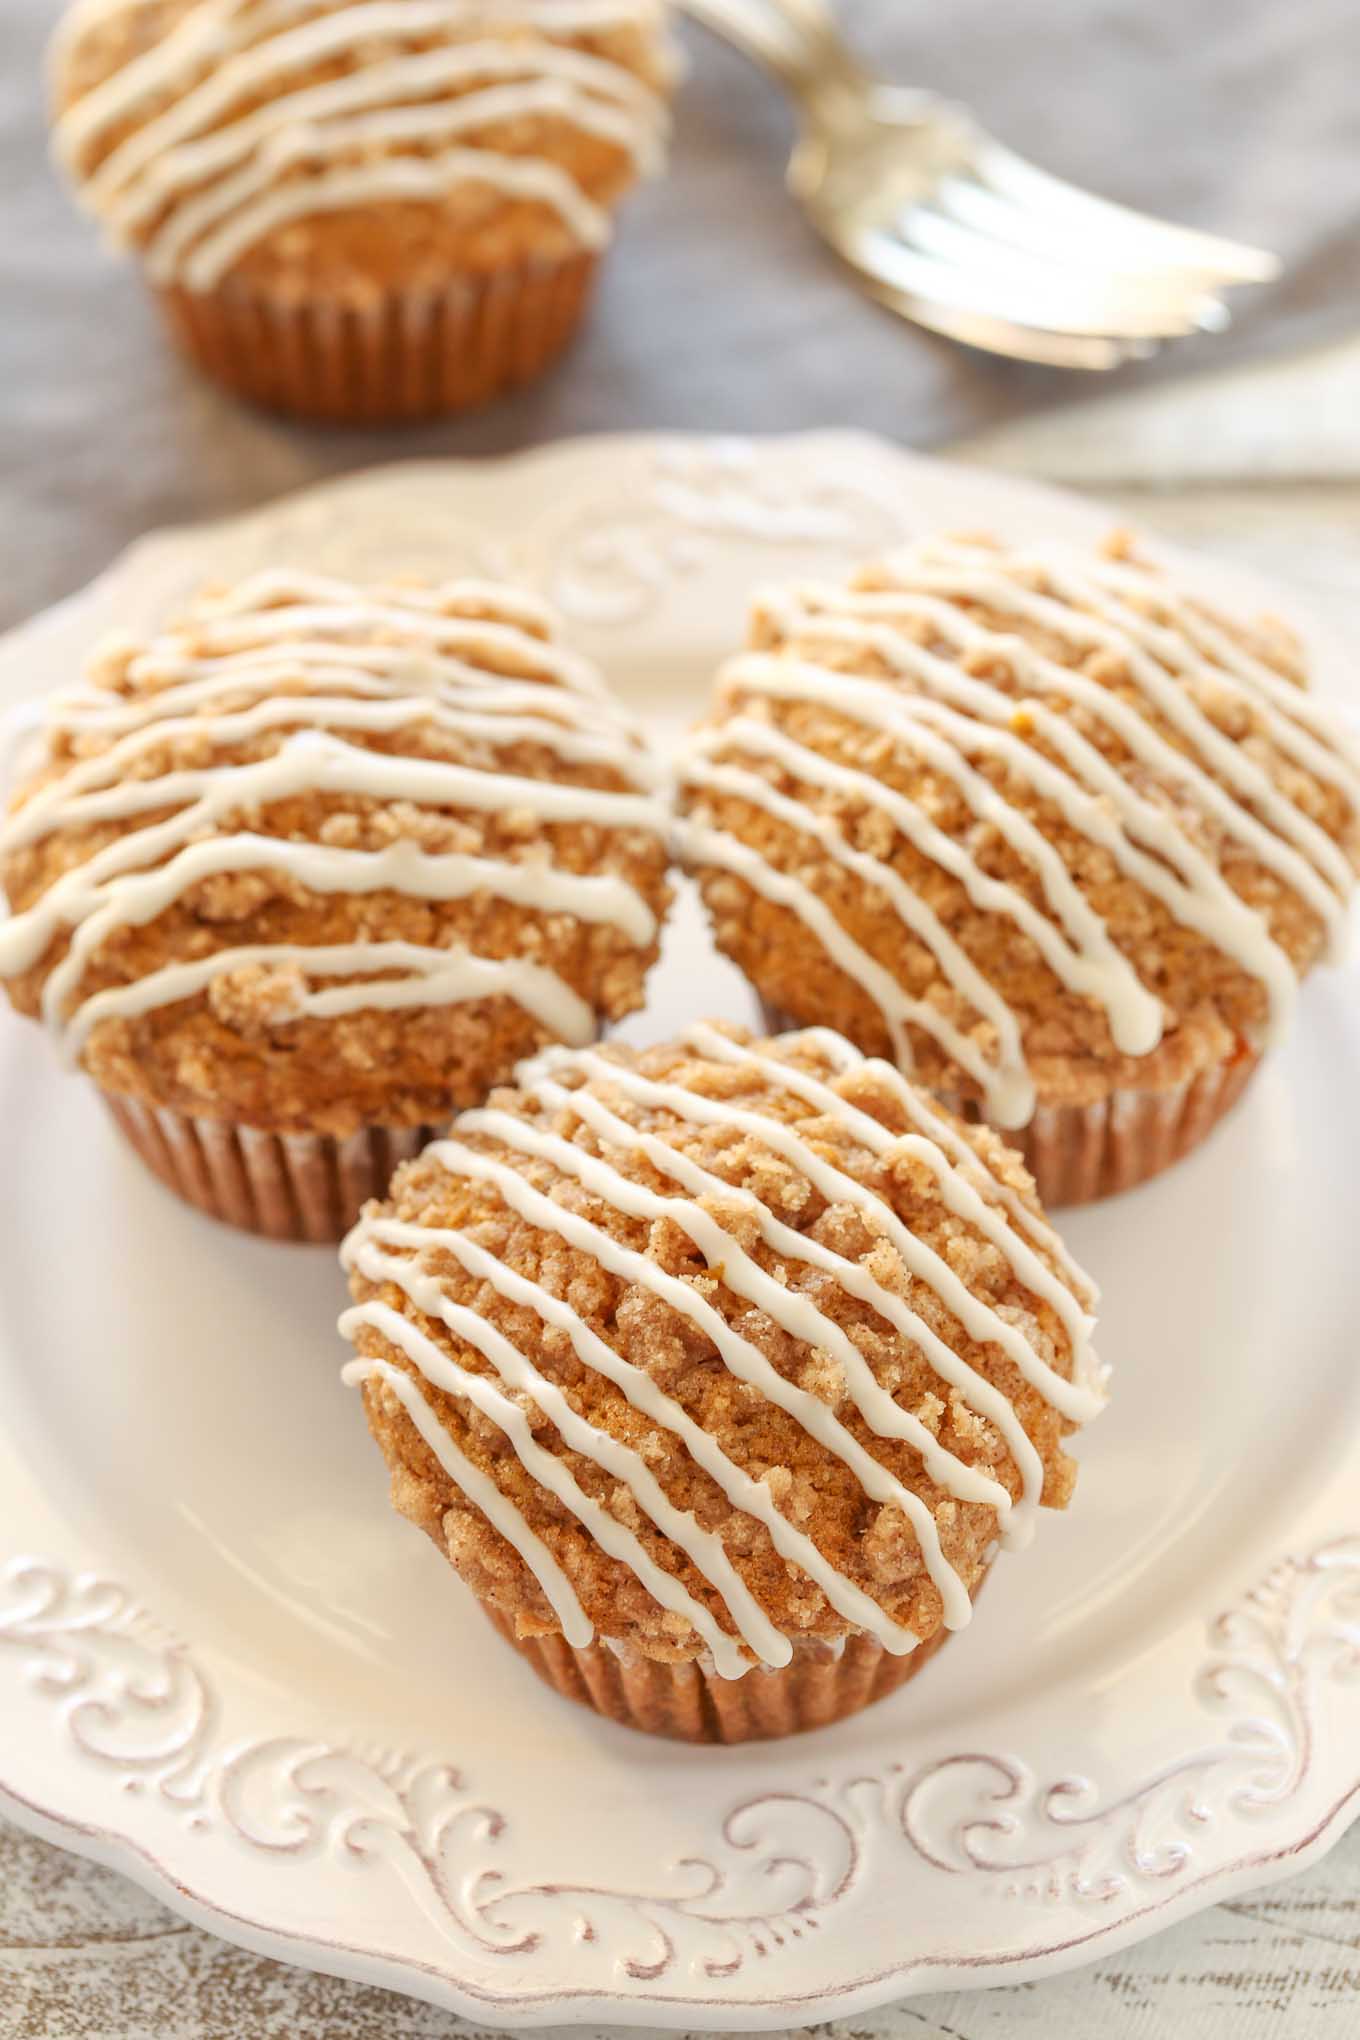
(690, 1703)
(287, 1186)
(411, 354)
(1079, 1153)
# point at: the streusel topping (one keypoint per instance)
(720, 1347)
(1035, 823)
(320, 856)
(344, 144)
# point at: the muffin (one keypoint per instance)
(362, 210)
(719, 1372)
(1041, 826)
(318, 865)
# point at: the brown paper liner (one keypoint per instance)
(287, 1186)
(691, 1704)
(408, 355)
(1079, 1153)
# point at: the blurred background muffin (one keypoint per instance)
(297, 878)
(1042, 827)
(719, 1372)
(365, 211)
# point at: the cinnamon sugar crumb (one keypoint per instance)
(259, 997)
(245, 1048)
(871, 1542)
(1210, 1000)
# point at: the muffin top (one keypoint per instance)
(343, 146)
(319, 857)
(720, 1348)
(1036, 823)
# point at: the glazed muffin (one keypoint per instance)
(1041, 826)
(316, 866)
(719, 1371)
(363, 210)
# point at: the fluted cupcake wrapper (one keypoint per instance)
(1080, 1153)
(286, 1186)
(407, 355)
(690, 1703)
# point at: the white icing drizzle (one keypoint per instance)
(1167, 691)
(388, 1251)
(797, 1314)
(1335, 757)
(898, 1006)
(740, 1488)
(950, 714)
(546, 1467)
(702, 1547)
(367, 674)
(1110, 812)
(739, 1355)
(508, 605)
(794, 1313)
(146, 869)
(1106, 811)
(968, 1165)
(277, 608)
(273, 133)
(480, 1488)
(198, 182)
(396, 179)
(430, 977)
(1009, 1084)
(966, 1184)
(1089, 962)
(97, 790)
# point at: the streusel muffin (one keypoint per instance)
(363, 210)
(316, 866)
(1040, 825)
(719, 1371)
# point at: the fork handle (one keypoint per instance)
(797, 42)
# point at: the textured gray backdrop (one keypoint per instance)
(718, 310)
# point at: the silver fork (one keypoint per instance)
(949, 228)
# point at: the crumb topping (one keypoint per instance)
(350, 146)
(1039, 825)
(844, 1356)
(318, 857)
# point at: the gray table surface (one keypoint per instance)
(103, 435)
(718, 311)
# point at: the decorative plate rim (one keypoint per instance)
(1269, 1610)
(1276, 1653)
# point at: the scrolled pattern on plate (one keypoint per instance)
(131, 1698)
(786, 1892)
(128, 1693)
(988, 1817)
(605, 558)
(609, 563)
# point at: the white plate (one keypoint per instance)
(228, 1669)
